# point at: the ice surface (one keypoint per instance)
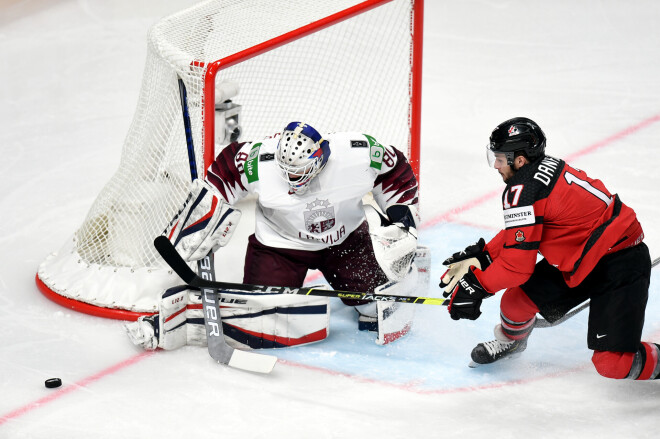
(71, 70)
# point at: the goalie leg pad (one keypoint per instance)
(173, 317)
(395, 318)
(249, 320)
(392, 320)
(167, 329)
(178, 323)
(262, 321)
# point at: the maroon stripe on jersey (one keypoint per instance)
(224, 174)
(410, 194)
(400, 180)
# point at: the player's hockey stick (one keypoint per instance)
(180, 267)
(218, 348)
(542, 323)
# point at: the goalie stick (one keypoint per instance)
(180, 267)
(542, 323)
(218, 348)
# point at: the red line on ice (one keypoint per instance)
(70, 388)
(412, 386)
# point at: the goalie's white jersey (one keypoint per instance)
(332, 206)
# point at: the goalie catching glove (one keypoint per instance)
(466, 297)
(459, 263)
(205, 223)
(394, 239)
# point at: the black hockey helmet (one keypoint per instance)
(517, 136)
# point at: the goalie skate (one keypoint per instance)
(494, 350)
(367, 317)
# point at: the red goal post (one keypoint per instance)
(253, 65)
(415, 81)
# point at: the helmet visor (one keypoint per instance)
(496, 159)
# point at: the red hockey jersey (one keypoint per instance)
(556, 210)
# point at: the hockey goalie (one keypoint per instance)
(309, 215)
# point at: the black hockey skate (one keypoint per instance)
(501, 347)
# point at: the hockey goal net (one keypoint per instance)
(338, 65)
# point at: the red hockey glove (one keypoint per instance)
(466, 297)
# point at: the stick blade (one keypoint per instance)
(252, 361)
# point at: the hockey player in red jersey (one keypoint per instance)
(591, 244)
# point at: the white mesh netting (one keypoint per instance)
(352, 75)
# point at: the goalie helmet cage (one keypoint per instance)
(339, 65)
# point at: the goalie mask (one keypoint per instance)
(301, 155)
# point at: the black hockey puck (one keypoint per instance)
(51, 383)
